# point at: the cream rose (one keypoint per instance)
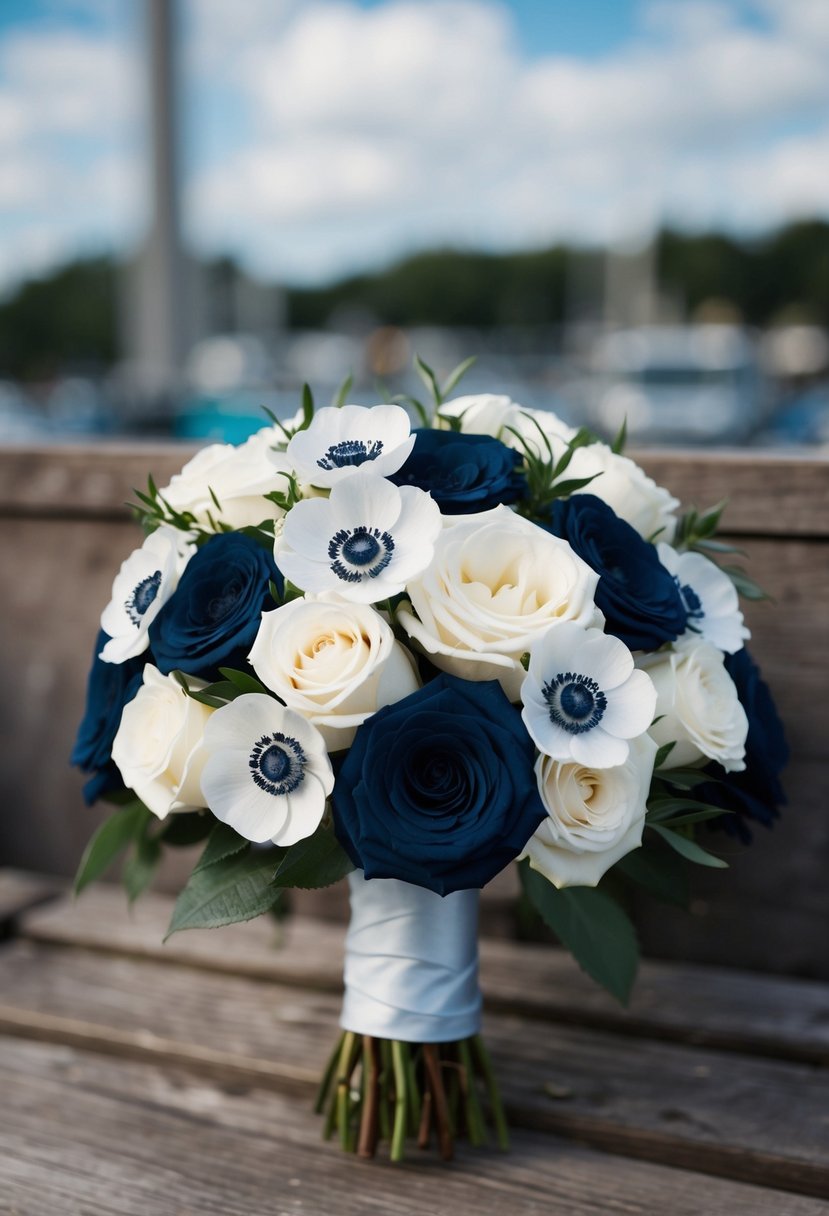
(489, 414)
(496, 583)
(697, 706)
(626, 488)
(335, 663)
(594, 815)
(238, 476)
(158, 747)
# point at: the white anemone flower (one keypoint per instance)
(145, 582)
(267, 772)
(339, 442)
(710, 598)
(583, 698)
(364, 542)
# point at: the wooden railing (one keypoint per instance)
(64, 529)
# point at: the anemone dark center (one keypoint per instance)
(693, 603)
(575, 702)
(350, 452)
(142, 596)
(361, 549)
(359, 553)
(277, 763)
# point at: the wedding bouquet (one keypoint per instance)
(412, 656)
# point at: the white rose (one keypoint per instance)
(158, 748)
(626, 488)
(335, 663)
(489, 414)
(697, 706)
(496, 583)
(594, 816)
(238, 476)
(480, 414)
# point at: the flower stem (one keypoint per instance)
(327, 1077)
(493, 1094)
(399, 1052)
(474, 1116)
(348, 1058)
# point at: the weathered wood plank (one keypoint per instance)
(20, 890)
(768, 493)
(718, 1008)
(87, 1136)
(772, 494)
(714, 1112)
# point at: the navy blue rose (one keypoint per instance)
(439, 789)
(757, 792)
(213, 616)
(463, 473)
(641, 601)
(109, 687)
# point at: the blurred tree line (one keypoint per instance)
(69, 320)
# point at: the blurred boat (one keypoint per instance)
(694, 384)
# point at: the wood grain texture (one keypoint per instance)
(782, 1018)
(715, 1112)
(769, 494)
(21, 890)
(85, 1136)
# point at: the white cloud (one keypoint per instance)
(329, 136)
(373, 131)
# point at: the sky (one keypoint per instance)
(323, 137)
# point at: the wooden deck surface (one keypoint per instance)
(176, 1080)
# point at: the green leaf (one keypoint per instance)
(689, 848)
(618, 444)
(456, 375)
(341, 396)
(317, 861)
(429, 379)
(592, 926)
(111, 838)
(746, 587)
(663, 754)
(717, 546)
(307, 407)
(186, 828)
(660, 872)
(562, 488)
(243, 681)
(234, 889)
(222, 842)
(140, 867)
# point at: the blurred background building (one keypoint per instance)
(621, 208)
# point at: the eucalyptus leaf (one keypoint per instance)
(317, 861)
(111, 838)
(237, 888)
(429, 379)
(592, 926)
(618, 444)
(341, 396)
(456, 375)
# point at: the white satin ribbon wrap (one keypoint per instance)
(411, 962)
